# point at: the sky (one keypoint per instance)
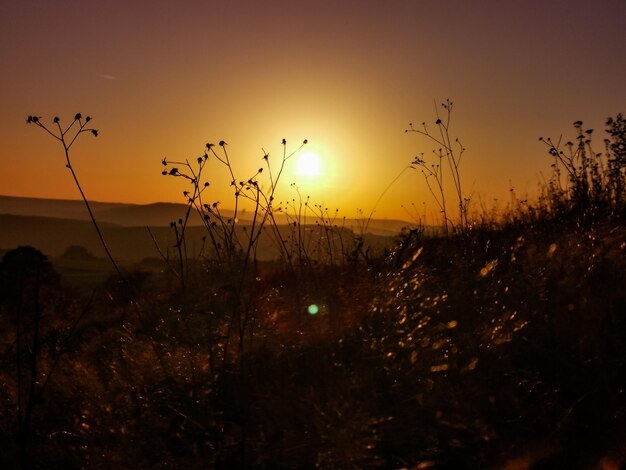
(161, 79)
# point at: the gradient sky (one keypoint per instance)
(162, 78)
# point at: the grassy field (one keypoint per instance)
(501, 345)
(458, 352)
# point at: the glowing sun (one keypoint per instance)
(309, 164)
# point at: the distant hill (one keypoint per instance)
(154, 215)
(60, 208)
(53, 236)
(137, 215)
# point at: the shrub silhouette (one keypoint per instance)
(22, 271)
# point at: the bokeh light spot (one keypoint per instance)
(313, 309)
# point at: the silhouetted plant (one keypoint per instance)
(593, 180)
(67, 137)
(235, 251)
(449, 152)
(221, 229)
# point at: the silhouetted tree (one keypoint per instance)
(22, 271)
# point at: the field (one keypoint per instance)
(501, 344)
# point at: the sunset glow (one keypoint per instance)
(309, 165)
(350, 77)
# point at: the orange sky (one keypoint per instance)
(161, 79)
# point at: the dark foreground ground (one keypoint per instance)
(505, 348)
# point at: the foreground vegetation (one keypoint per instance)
(502, 344)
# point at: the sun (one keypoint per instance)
(309, 165)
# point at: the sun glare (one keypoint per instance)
(309, 164)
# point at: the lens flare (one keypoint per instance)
(313, 309)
